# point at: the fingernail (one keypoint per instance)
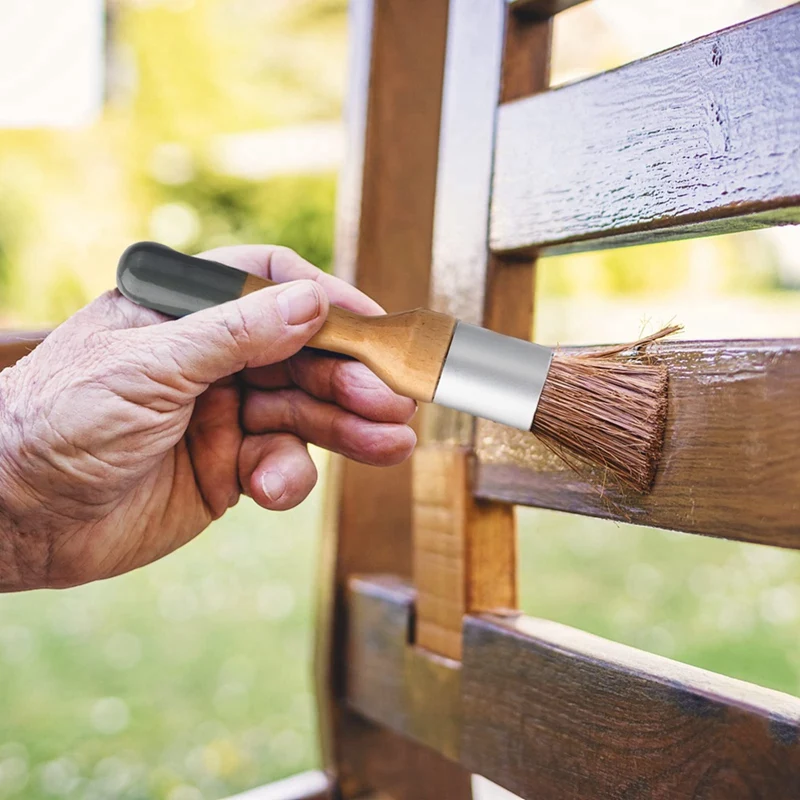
(298, 303)
(273, 485)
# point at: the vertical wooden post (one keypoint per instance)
(384, 230)
(465, 549)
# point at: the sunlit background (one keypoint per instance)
(208, 122)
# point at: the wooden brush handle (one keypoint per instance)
(406, 350)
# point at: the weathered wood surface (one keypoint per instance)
(548, 711)
(465, 550)
(392, 681)
(731, 460)
(384, 231)
(704, 138)
(15, 345)
(465, 555)
(552, 712)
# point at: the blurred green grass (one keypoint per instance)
(189, 679)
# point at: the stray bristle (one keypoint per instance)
(609, 412)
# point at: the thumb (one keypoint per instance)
(261, 328)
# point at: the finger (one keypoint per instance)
(328, 426)
(281, 264)
(345, 382)
(261, 328)
(214, 438)
(276, 470)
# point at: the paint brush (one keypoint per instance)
(599, 409)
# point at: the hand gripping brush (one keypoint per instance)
(602, 410)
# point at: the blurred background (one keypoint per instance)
(206, 122)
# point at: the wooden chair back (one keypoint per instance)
(429, 671)
(426, 672)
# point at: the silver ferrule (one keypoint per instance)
(493, 376)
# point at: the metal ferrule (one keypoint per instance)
(493, 376)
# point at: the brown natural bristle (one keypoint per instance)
(609, 412)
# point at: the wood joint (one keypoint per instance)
(464, 556)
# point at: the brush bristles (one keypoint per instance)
(610, 413)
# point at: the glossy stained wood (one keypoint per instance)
(730, 463)
(548, 711)
(699, 139)
(384, 230)
(391, 680)
(552, 712)
(464, 550)
(15, 345)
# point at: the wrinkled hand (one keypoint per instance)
(123, 435)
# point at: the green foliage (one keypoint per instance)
(296, 212)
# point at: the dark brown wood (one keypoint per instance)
(548, 711)
(552, 712)
(540, 9)
(392, 681)
(526, 57)
(730, 464)
(15, 345)
(699, 139)
(384, 232)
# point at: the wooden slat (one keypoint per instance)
(548, 711)
(699, 139)
(396, 683)
(384, 230)
(14, 345)
(730, 465)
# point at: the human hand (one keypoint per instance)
(122, 436)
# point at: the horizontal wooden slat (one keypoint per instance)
(731, 460)
(551, 712)
(704, 138)
(16, 344)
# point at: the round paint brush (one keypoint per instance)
(602, 410)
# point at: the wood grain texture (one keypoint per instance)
(548, 711)
(383, 244)
(464, 550)
(390, 680)
(703, 138)
(406, 349)
(730, 464)
(526, 56)
(552, 712)
(15, 345)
